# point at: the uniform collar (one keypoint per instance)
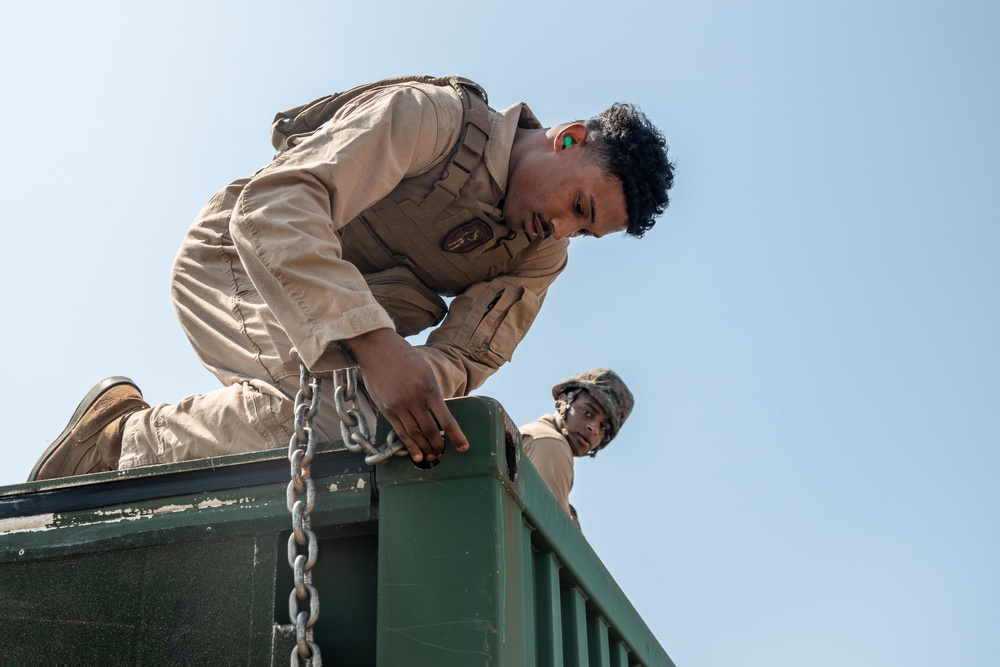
(553, 423)
(504, 127)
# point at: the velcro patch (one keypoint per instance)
(467, 236)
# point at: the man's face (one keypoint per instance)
(560, 192)
(587, 423)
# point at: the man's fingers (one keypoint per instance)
(412, 448)
(403, 386)
(426, 435)
(403, 427)
(451, 428)
(430, 434)
(422, 434)
(422, 440)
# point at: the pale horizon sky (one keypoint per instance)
(810, 476)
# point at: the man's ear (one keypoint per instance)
(574, 134)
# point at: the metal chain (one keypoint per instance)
(357, 436)
(354, 428)
(301, 449)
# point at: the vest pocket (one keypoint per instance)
(412, 305)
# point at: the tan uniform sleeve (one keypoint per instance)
(285, 222)
(553, 459)
(485, 323)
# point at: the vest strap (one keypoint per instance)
(476, 130)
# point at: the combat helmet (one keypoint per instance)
(607, 388)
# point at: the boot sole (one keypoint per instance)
(88, 401)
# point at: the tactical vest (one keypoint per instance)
(435, 225)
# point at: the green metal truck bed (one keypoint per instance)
(471, 562)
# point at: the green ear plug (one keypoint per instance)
(567, 142)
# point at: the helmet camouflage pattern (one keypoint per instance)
(607, 388)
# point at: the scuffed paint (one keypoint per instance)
(20, 524)
(52, 521)
(360, 484)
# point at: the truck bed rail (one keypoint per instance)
(471, 562)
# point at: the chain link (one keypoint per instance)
(357, 434)
(301, 450)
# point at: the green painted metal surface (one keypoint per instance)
(471, 562)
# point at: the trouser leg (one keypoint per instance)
(245, 416)
(237, 338)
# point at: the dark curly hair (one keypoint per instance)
(628, 146)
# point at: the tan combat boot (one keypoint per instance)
(92, 440)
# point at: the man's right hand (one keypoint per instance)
(405, 390)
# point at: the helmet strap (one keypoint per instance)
(562, 409)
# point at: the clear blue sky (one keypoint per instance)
(810, 477)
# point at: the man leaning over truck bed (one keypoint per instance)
(378, 201)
